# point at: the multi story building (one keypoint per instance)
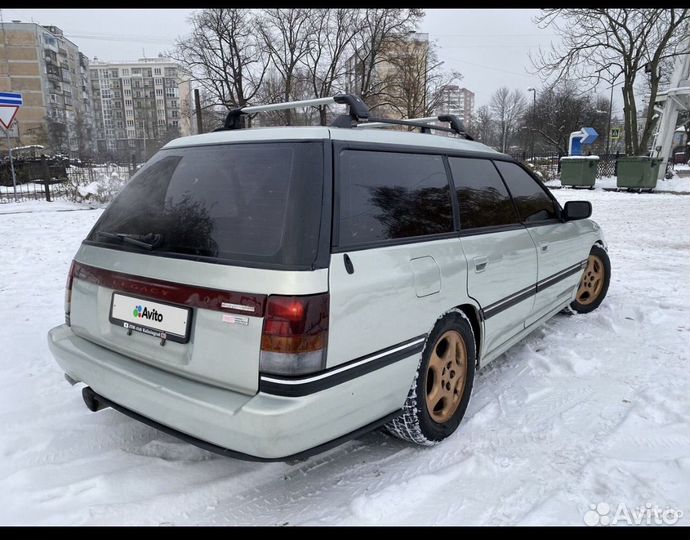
(457, 101)
(400, 76)
(52, 76)
(139, 105)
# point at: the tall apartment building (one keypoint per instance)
(52, 76)
(139, 105)
(400, 75)
(458, 101)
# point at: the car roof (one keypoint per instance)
(372, 135)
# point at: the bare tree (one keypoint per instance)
(224, 55)
(413, 82)
(334, 31)
(272, 91)
(288, 36)
(212, 114)
(485, 126)
(57, 136)
(377, 28)
(562, 109)
(84, 135)
(600, 44)
(508, 108)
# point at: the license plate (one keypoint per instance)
(163, 321)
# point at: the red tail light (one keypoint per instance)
(68, 292)
(295, 334)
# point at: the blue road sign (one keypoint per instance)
(590, 135)
(13, 99)
(586, 135)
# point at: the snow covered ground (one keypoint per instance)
(590, 409)
(677, 184)
(41, 206)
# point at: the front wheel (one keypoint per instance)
(439, 395)
(594, 283)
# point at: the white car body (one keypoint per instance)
(384, 298)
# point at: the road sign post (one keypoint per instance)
(14, 177)
(9, 105)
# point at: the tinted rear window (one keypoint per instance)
(392, 195)
(244, 203)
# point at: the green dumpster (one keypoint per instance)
(637, 172)
(579, 171)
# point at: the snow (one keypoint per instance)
(97, 185)
(26, 187)
(569, 158)
(589, 409)
(89, 189)
(41, 206)
(677, 184)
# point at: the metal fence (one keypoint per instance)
(549, 166)
(54, 179)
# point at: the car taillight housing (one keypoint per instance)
(68, 292)
(295, 334)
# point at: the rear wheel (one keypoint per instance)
(594, 283)
(441, 390)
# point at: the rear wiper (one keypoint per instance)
(147, 241)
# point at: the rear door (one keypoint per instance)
(501, 257)
(396, 258)
(561, 246)
(226, 226)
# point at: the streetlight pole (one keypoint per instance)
(534, 116)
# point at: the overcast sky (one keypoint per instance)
(490, 47)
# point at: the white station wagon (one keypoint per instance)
(268, 293)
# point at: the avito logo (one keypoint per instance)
(146, 313)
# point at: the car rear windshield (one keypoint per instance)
(252, 204)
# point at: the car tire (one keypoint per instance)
(445, 391)
(594, 283)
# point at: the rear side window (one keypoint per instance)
(531, 200)
(482, 196)
(391, 195)
(253, 204)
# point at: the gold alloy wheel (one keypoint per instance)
(592, 281)
(446, 376)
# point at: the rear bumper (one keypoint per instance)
(261, 427)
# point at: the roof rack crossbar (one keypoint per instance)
(376, 123)
(456, 124)
(383, 122)
(288, 105)
(358, 110)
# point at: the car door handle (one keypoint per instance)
(480, 263)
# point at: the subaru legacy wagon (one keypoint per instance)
(267, 293)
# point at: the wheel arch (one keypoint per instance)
(601, 244)
(472, 313)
